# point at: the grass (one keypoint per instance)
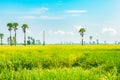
(60, 62)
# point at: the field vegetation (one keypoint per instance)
(60, 62)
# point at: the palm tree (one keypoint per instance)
(90, 39)
(81, 31)
(1, 37)
(15, 28)
(24, 27)
(10, 25)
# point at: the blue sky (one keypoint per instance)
(61, 19)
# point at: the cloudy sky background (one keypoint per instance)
(61, 19)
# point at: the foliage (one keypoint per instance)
(60, 62)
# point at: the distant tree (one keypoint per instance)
(28, 37)
(105, 42)
(33, 41)
(97, 40)
(29, 41)
(81, 31)
(90, 39)
(93, 42)
(38, 41)
(15, 28)
(24, 27)
(116, 42)
(10, 26)
(1, 37)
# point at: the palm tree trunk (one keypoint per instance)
(43, 38)
(82, 40)
(25, 39)
(15, 38)
(90, 41)
(10, 39)
(1, 40)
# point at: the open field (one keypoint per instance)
(60, 62)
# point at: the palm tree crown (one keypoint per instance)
(1, 35)
(15, 26)
(9, 25)
(24, 26)
(82, 30)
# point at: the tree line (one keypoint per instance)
(14, 27)
(83, 30)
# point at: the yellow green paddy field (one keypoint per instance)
(60, 62)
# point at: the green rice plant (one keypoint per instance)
(60, 62)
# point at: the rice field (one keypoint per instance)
(60, 62)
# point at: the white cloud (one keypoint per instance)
(109, 30)
(70, 33)
(61, 32)
(75, 11)
(43, 17)
(51, 17)
(27, 17)
(30, 11)
(74, 15)
(38, 10)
